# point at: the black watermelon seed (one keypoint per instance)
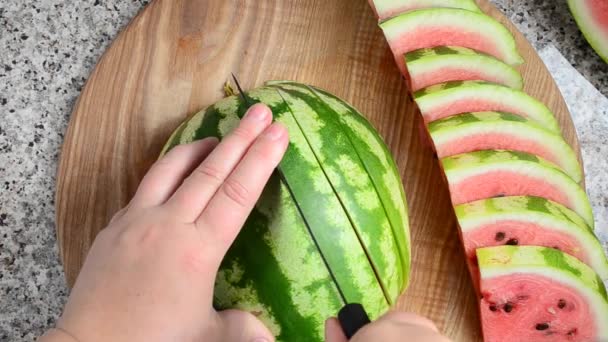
(512, 242)
(508, 307)
(493, 307)
(542, 326)
(572, 332)
(555, 247)
(500, 195)
(499, 236)
(561, 304)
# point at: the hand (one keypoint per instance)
(392, 327)
(149, 275)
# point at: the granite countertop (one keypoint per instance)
(49, 47)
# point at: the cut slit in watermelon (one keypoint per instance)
(427, 28)
(446, 99)
(592, 18)
(502, 131)
(528, 221)
(540, 294)
(496, 173)
(389, 8)
(427, 67)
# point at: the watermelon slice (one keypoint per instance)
(441, 64)
(540, 294)
(592, 18)
(493, 130)
(528, 221)
(494, 173)
(389, 8)
(451, 98)
(427, 28)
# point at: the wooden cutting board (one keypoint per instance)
(173, 60)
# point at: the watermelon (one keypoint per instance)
(592, 18)
(528, 221)
(540, 294)
(451, 98)
(331, 226)
(430, 66)
(389, 8)
(494, 173)
(427, 28)
(493, 130)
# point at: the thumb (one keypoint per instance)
(242, 326)
(333, 331)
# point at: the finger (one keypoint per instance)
(229, 208)
(168, 172)
(333, 331)
(192, 197)
(401, 317)
(241, 326)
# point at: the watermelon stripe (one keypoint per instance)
(365, 162)
(390, 281)
(371, 160)
(388, 185)
(252, 252)
(319, 232)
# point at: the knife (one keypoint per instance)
(352, 316)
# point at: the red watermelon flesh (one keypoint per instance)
(469, 132)
(536, 294)
(494, 173)
(428, 28)
(592, 18)
(385, 9)
(524, 234)
(452, 98)
(527, 221)
(529, 313)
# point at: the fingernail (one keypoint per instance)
(274, 132)
(258, 112)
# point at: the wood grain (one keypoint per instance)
(173, 60)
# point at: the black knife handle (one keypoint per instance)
(352, 317)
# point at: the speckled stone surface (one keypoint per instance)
(47, 50)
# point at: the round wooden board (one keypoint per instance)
(173, 60)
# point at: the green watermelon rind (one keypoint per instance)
(538, 210)
(352, 127)
(429, 59)
(384, 6)
(459, 19)
(591, 32)
(295, 266)
(479, 162)
(552, 264)
(446, 92)
(453, 127)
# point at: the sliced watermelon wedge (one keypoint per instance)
(430, 66)
(528, 221)
(452, 98)
(427, 28)
(540, 294)
(592, 18)
(502, 131)
(495, 173)
(389, 8)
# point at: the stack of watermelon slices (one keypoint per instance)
(525, 220)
